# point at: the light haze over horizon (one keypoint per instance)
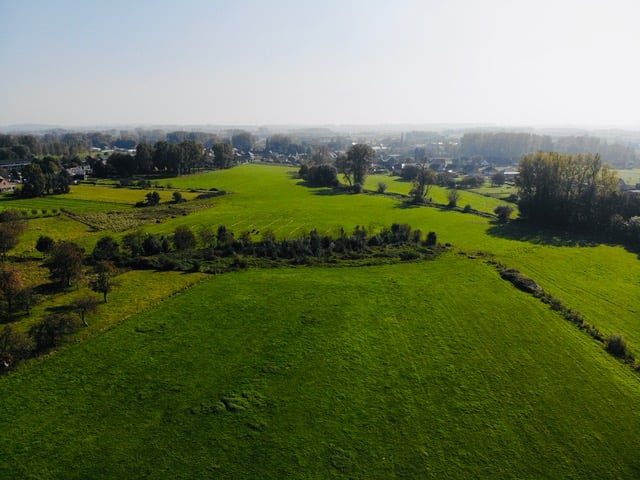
(562, 62)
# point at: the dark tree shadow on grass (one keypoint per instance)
(525, 232)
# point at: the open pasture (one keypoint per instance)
(436, 193)
(382, 373)
(583, 273)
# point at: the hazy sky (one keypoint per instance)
(543, 62)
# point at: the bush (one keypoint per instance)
(183, 238)
(106, 249)
(322, 176)
(409, 255)
(357, 188)
(44, 244)
(177, 197)
(467, 208)
(616, 345)
(382, 187)
(432, 239)
(453, 196)
(239, 262)
(503, 212)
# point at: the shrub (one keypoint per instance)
(409, 255)
(503, 212)
(382, 187)
(453, 196)
(357, 188)
(616, 345)
(177, 197)
(151, 245)
(432, 239)
(239, 262)
(467, 208)
(322, 175)
(34, 211)
(106, 249)
(183, 238)
(44, 244)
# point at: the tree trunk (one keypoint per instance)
(105, 296)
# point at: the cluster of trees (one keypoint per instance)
(323, 175)
(44, 176)
(164, 157)
(355, 165)
(575, 190)
(508, 147)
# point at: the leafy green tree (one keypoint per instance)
(422, 183)
(183, 238)
(453, 195)
(44, 244)
(85, 306)
(11, 283)
(103, 280)
(65, 262)
(207, 237)
(242, 141)
(177, 197)
(564, 189)
(133, 243)
(222, 155)
(49, 331)
(503, 212)
(11, 229)
(498, 179)
(151, 245)
(33, 181)
(355, 165)
(14, 346)
(144, 158)
(153, 199)
(106, 248)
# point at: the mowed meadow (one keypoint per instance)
(415, 370)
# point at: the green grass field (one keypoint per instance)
(87, 198)
(436, 193)
(631, 176)
(384, 372)
(420, 370)
(599, 281)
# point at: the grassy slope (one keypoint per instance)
(133, 292)
(599, 281)
(87, 198)
(385, 372)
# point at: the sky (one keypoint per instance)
(243, 62)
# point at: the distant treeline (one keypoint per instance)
(507, 148)
(19, 147)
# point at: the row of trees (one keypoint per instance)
(163, 157)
